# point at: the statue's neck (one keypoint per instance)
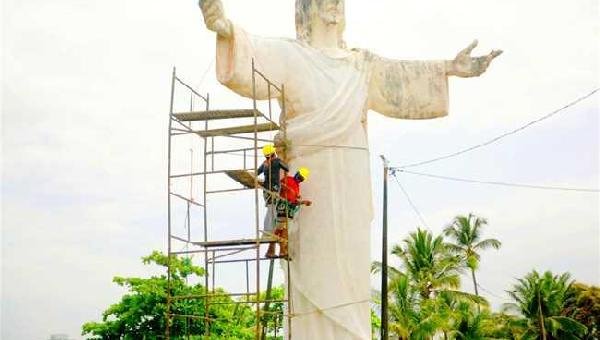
(324, 36)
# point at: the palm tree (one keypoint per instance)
(461, 318)
(428, 263)
(541, 299)
(403, 311)
(465, 231)
(468, 324)
(423, 292)
(413, 317)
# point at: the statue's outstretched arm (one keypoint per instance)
(466, 66)
(214, 17)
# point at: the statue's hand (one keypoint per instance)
(214, 17)
(466, 66)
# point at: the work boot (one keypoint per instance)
(271, 251)
(283, 242)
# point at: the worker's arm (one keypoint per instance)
(260, 169)
(305, 202)
(283, 169)
(283, 166)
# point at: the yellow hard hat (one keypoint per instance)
(304, 172)
(268, 150)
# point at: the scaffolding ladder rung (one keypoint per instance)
(215, 114)
(227, 190)
(214, 249)
(249, 151)
(249, 259)
(263, 127)
(240, 242)
(215, 295)
(201, 173)
(247, 302)
(191, 201)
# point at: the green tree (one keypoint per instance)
(410, 316)
(502, 326)
(469, 322)
(541, 300)
(428, 263)
(402, 306)
(375, 324)
(273, 318)
(141, 312)
(422, 294)
(466, 323)
(465, 231)
(583, 305)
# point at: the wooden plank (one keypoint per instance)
(238, 129)
(215, 114)
(241, 242)
(244, 177)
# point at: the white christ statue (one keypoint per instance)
(329, 89)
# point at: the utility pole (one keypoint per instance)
(384, 265)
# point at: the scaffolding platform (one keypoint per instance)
(240, 242)
(262, 258)
(216, 114)
(263, 127)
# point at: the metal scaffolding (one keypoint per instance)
(197, 240)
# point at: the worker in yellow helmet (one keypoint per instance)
(273, 169)
(287, 206)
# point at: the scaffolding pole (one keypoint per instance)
(225, 250)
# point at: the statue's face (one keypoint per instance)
(331, 11)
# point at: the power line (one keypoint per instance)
(490, 292)
(495, 139)
(206, 72)
(519, 185)
(414, 207)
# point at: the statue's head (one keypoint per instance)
(329, 12)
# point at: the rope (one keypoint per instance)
(206, 72)
(308, 145)
(291, 315)
(263, 312)
(320, 310)
(333, 146)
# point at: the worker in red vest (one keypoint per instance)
(287, 206)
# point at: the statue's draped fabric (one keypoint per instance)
(328, 94)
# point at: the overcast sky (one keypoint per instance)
(85, 98)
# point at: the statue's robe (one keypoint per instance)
(327, 97)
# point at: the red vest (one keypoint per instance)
(290, 189)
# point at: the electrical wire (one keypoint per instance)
(495, 139)
(490, 292)
(206, 72)
(414, 207)
(519, 185)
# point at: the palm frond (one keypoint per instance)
(487, 243)
(568, 325)
(459, 296)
